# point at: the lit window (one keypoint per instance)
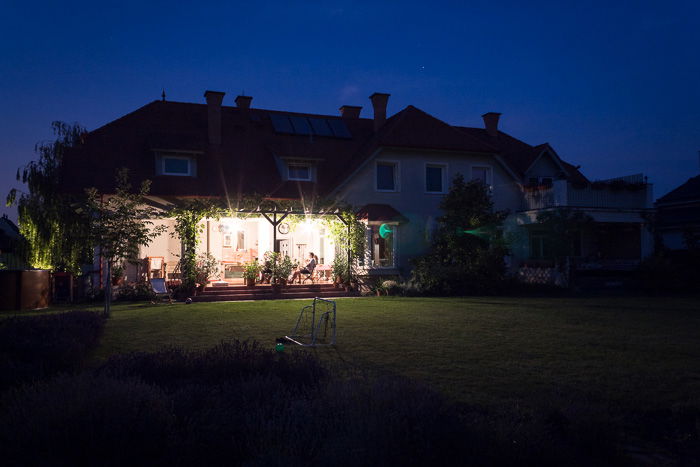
(177, 166)
(386, 176)
(299, 172)
(482, 174)
(434, 178)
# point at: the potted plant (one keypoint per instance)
(340, 270)
(117, 274)
(251, 273)
(206, 266)
(284, 270)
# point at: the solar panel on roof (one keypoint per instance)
(320, 127)
(301, 125)
(281, 123)
(339, 128)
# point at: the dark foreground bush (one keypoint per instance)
(239, 404)
(34, 347)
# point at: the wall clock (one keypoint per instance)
(283, 228)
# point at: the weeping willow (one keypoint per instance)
(56, 233)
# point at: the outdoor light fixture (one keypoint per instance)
(307, 225)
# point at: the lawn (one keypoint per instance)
(491, 350)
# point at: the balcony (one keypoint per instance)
(621, 193)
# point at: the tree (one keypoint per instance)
(120, 224)
(56, 233)
(468, 248)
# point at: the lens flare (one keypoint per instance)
(384, 231)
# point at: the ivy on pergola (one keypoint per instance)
(188, 214)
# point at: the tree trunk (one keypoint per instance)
(108, 288)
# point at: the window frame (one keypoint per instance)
(397, 178)
(299, 179)
(443, 180)
(229, 243)
(374, 228)
(176, 174)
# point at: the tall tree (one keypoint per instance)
(467, 249)
(56, 233)
(120, 224)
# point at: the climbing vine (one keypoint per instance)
(188, 227)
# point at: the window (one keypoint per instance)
(386, 176)
(173, 165)
(299, 172)
(540, 245)
(435, 178)
(383, 245)
(240, 240)
(540, 181)
(482, 174)
(228, 240)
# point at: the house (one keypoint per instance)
(11, 245)
(393, 169)
(678, 216)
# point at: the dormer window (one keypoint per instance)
(299, 172)
(176, 164)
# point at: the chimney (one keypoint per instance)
(214, 99)
(379, 101)
(491, 123)
(350, 111)
(243, 102)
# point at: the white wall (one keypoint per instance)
(411, 199)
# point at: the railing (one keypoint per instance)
(595, 195)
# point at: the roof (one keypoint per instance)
(380, 213)
(689, 191)
(251, 150)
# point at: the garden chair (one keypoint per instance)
(308, 275)
(160, 290)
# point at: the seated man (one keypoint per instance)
(309, 269)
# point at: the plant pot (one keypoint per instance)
(250, 282)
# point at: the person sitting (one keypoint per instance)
(308, 269)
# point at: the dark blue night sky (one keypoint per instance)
(615, 89)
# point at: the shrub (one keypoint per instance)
(224, 363)
(241, 404)
(35, 347)
(85, 420)
(136, 291)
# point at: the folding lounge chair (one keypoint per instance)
(161, 290)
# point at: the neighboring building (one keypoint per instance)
(11, 245)
(394, 170)
(678, 216)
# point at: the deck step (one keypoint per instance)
(264, 292)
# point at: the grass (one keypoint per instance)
(629, 351)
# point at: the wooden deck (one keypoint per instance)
(265, 292)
